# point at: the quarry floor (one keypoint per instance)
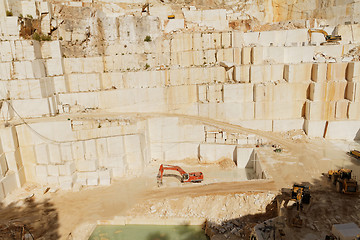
(225, 202)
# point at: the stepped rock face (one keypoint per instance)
(111, 57)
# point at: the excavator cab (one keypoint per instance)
(185, 177)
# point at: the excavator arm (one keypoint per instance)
(328, 38)
(185, 177)
(164, 167)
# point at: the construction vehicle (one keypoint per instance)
(194, 177)
(343, 181)
(171, 16)
(355, 153)
(301, 194)
(330, 39)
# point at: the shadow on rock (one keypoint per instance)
(28, 219)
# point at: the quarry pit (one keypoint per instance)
(256, 95)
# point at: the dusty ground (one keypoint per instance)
(227, 205)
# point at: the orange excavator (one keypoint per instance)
(194, 177)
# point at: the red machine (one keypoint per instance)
(194, 177)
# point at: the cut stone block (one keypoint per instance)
(53, 170)
(280, 110)
(237, 55)
(53, 180)
(353, 71)
(14, 161)
(90, 149)
(66, 182)
(104, 177)
(28, 8)
(9, 183)
(354, 111)
(214, 93)
(31, 50)
(318, 91)
(81, 178)
(202, 93)
(86, 165)
(260, 73)
(6, 70)
(277, 72)
(118, 172)
(115, 146)
(92, 179)
(345, 231)
(350, 130)
(66, 152)
(246, 55)
(9, 139)
(11, 25)
(67, 169)
(41, 171)
(210, 153)
(54, 153)
(314, 128)
(241, 73)
(318, 72)
(341, 109)
(353, 91)
(54, 67)
(297, 72)
(3, 165)
(42, 154)
(78, 150)
(244, 156)
(37, 69)
(257, 55)
(318, 110)
(2, 193)
(238, 92)
(336, 71)
(336, 90)
(287, 125)
(264, 92)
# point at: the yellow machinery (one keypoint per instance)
(301, 194)
(328, 38)
(343, 181)
(355, 153)
(171, 16)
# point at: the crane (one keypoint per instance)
(328, 38)
(193, 177)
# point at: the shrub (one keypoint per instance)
(147, 39)
(29, 16)
(60, 38)
(147, 66)
(45, 38)
(9, 13)
(36, 36)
